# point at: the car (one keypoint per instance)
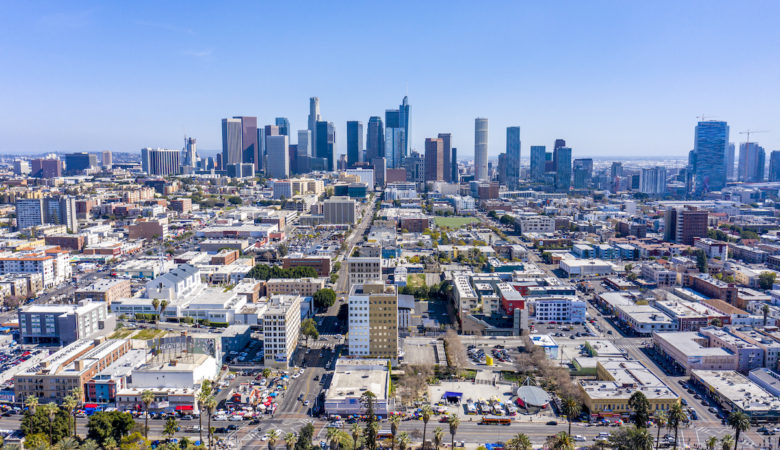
(306, 403)
(232, 427)
(579, 438)
(221, 430)
(552, 422)
(684, 402)
(236, 418)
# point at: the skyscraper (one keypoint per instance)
(160, 161)
(189, 153)
(403, 117)
(455, 172)
(481, 149)
(232, 149)
(249, 150)
(752, 161)
(314, 117)
(434, 159)
(106, 159)
(774, 166)
(284, 125)
(538, 162)
(652, 181)
(354, 142)
(710, 146)
(278, 156)
(375, 139)
(325, 146)
(513, 158)
(79, 162)
(446, 138)
(304, 143)
(730, 155)
(562, 156)
(583, 173)
(395, 138)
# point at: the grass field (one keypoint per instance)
(149, 333)
(415, 280)
(121, 334)
(455, 221)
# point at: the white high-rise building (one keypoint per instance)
(652, 181)
(278, 156)
(314, 117)
(481, 149)
(281, 328)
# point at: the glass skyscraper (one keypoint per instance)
(395, 138)
(562, 169)
(583, 173)
(752, 162)
(538, 161)
(513, 158)
(375, 139)
(325, 146)
(284, 125)
(481, 149)
(354, 142)
(710, 148)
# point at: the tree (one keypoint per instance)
(203, 395)
(51, 411)
(89, 444)
(395, 421)
(454, 423)
(560, 441)
(765, 312)
(68, 443)
(324, 298)
(641, 407)
(631, 438)
(170, 427)
(156, 305)
(235, 200)
(403, 440)
(69, 403)
(211, 405)
(31, 402)
(266, 372)
(133, 441)
(309, 329)
(740, 422)
(438, 434)
(701, 261)
(765, 281)
(147, 397)
(368, 400)
(520, 441)
(78, 395)
(38, 423)
(426, 412)
(333, 438)
(727, 442)
(163, 306)
(571, 409)
(675, 418)
(36, 441)
(273, 436)
(711, 443)
(113, 425)
(304, 437)
(660, 421)
(289, 440)
(355, 432)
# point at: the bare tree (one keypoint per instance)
(456, 352)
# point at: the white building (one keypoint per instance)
(281, 328)
(536, 224)
(586, 267)
(365, 175)
(559, 310)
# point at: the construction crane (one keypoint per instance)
(704, 117)
(749, 132)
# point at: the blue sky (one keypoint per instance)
(614, 78)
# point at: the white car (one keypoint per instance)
(236, 418)
(264, 437)
(579, 438)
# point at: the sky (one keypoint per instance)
(618, 79)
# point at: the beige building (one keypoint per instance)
(373, 320)
(105, 290)
(281, 328)
(294, 286)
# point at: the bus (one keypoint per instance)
(492, 420)
(384, 434)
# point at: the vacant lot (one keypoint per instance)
(454, 222)
(415, 280)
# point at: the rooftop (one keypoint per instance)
(739, 390)
(353, 377)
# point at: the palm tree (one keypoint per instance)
(163, 305)
(765, 312)
(675, 418)
(77, 394)
(727, 442)
(211, 405)
(333, 438)
(290, 440)
(273, 435)
(68, 443)
(31, 402)
(425, 412)
(438, 434)
(89, 444)
(571, 408)
(69, 403)
(660, 421)
(454, 422)
(520, 442)
(711, 443)
(203, 395)
(356, 432)
(51, 410)
(170, 427)
(641, 407)
(147, 397)
(395, 421)
(740, 422)
(156, 306)
(560, 441)
(403, 440)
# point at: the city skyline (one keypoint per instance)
(121, 94)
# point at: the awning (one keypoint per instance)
(184, 408)
(450, 394)
(90, 406)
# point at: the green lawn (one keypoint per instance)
(454, 221)
(415, 280)
(149, 333)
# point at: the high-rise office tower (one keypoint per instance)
(380, 171)
(434, 159)
(284, 125)
(481, 149)
(455, 172)
(278, 156)
(415, 168)
(403, 117)
(248, 140)
(682, 224)
(652, 181)
(106, 159)
(710, 146)
(304, 143)
(375, 139)
(616, 170)
(314, 117)
(395, 138)
(774, 166)
(189, 153)
(752, 161)
(160, 161)
(562, 169)
(354, 142)
(538, 162)
(513, 158)
(373, 320)
(558, 144)
(730, 155)
(78, 162)
(232, 149)
(49, 210)
(325, 146)
(583, 172)
(446, 139)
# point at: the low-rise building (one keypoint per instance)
(105, 290)
(735, 392)
(578, 268)
(306, 287)
(351, 379)
(559, 310)
(659, 274)
(321, 264)
(688, 350)
(749, 356)
(64, 324)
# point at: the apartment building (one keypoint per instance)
(281, 328)
(712, 248)
(659, 274)
(466, 298)
(294, 286)
(536, 224)
(52, 264)
(361, 270)
(749, 356)
(373, 320)
(64, 324)
(559, 310)
(105, 290)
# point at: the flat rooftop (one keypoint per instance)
(687, 343)
(353, 377)
(182, 364)
(738, 389)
